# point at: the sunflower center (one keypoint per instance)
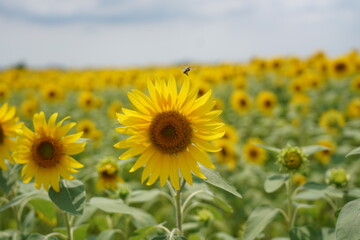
(170, 132)
(268, 103)
(46, 152)
(2, 135)
(340, 67)
(293, 160)
(253, 153)
(242, 102)
(108, 171)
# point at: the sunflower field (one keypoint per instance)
(267, 149)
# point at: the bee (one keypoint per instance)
(187, 70)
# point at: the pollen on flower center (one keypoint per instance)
(170, 132)
(46, 152)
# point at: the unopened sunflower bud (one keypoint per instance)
(291, 159)
(204, 216)
(338, 177)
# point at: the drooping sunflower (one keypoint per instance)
(46, 151)
(8, 127)
(108, 171)
(170, 130)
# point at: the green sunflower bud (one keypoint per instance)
(291, 159)
(338, 177)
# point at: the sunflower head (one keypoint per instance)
(9, 126)
(254, 154)
(353, 108)
(171, 130)
(324, 156)
(332, 121)
(338, 177)
(299, 179)
(108, 172)
(291, 159)
(355, 84)
(46, 151)
(52, 92)
(266, 102)
(241, 101)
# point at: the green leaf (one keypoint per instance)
(308, 150)
(107, 234)
(38, 236)
(219, 202)
(314, 191)
(355, 192)
(141, 233)
(347, 225)
(71, 197)
(258, 220)
(224, 236)
(143, 195)
(80, 232)
(8, 178)
(305, 233)
(141, 218)
(274, 182)
(269, 148)
(46, 209)
(19, 200)
(215, 179)
(328, 233)
(164, 237)
(356, 151)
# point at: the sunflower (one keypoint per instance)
(324, 156)
(87, 126)
(300, 103)
(88, 101)
(227, 155)
(29, 107)
(240, 101)
(113, 109)
(45, 152)
(266, 102)
(253, 153)
(52, 92)
(340, 67)
(8, 127)
(4, 91)
(355, 84)
(170, 131)
(332, 121)
(108, 171)
(353, 108)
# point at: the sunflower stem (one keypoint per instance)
(68, 226)
(290, 221)
(178, 211)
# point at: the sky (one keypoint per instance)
(128, 33)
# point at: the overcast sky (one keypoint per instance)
(121, 33)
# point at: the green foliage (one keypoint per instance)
(71, 197)
(258, 220)
(347, 226)
(275, 182)
(215, 179)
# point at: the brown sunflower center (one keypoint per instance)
(243, 102)
(46, 152)
(268, 103)
(170, 132)
(2, 135)
(340, 67)
(253, 153)
(108, 171)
